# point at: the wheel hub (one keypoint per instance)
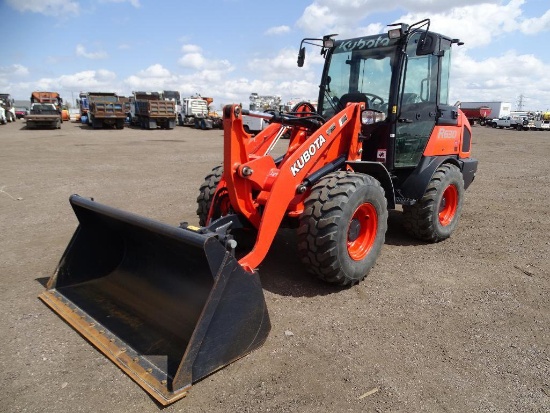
(354, 229)
(448, 205)
(362, 231)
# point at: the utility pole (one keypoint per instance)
(520, 102)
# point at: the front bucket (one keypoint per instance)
(167, 305)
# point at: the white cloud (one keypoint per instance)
(191, 48)
(501, 78)
(47, 7)
(316, 18)
(81, 51)
(88, 80)
(14, 70)
(194, 59)
(470, 24)
(153, 78)
(274, 31)
(134, 3)
(156, 71)
(536, 25)
(284, 64)
(344, 17)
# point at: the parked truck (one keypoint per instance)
(527, 119)
(126, 105)
(151, 111)
(192, 107)
(83, 106)
(508, 122)
(48, 97)
(260, 103)
(498, 109)
(105, 110)
(6, 101)
(3, 120)
(43, 115)
(541, 124)
(196, 112)
(212, 120)
(174, 96)
(477, 115)
(541, 121)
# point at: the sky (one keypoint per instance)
(228, 49)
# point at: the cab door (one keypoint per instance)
(417, 108)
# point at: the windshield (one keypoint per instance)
(359, 66)
(172, 95)
(43, 109)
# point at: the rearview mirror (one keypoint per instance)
(426, 44)
(301, 56)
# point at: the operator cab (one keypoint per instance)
(403, 78)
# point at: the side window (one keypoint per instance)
(445, 70)
(421, 76)
(416, 72)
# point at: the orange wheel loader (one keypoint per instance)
(170, 305)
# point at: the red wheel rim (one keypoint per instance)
(362, 231)
(224, 205)
(449, 203)
(221, 206)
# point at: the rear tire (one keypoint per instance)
(435, 216)
(206, 194)
(343, 227)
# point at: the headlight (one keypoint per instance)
(368, 117)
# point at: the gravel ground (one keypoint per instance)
(458, 326)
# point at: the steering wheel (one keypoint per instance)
(374, 98)
(303, 114)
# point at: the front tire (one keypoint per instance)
(343, 227)
(435, 216)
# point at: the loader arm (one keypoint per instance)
(262, 191)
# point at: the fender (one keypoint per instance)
(414, 187)
(377, 170)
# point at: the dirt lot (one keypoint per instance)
(461, 326)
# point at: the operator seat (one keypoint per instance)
(355, 97)
(409, 98)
